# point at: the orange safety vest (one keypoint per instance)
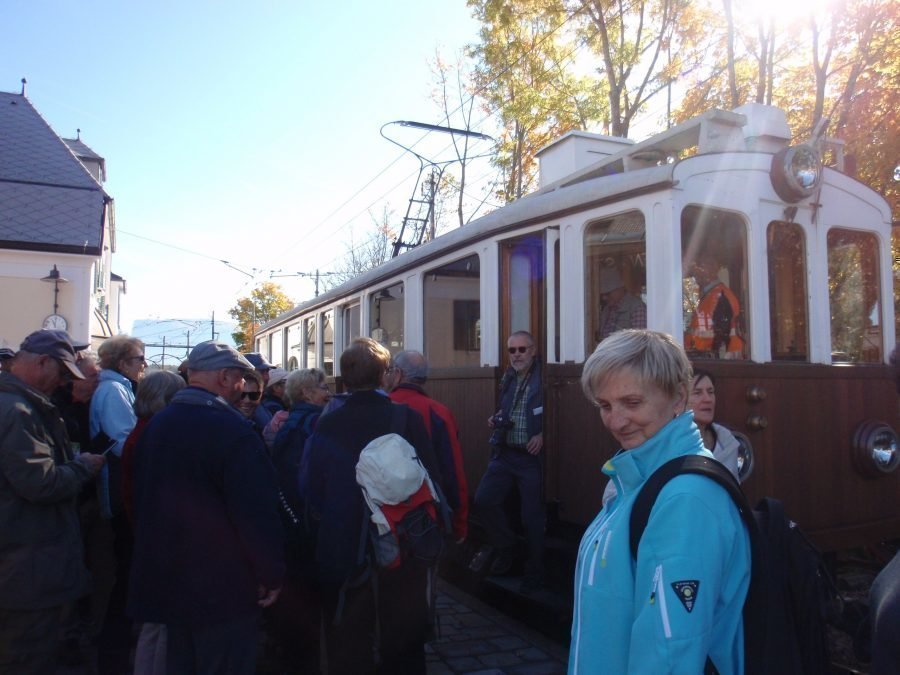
(701, 334)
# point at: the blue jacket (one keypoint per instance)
(112, 412)
(207, 528)
(683, 598)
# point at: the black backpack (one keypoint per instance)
(791, 596)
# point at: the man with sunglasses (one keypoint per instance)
(517, 439)
(209, 544)
(41, 556)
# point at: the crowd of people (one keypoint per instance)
(185, 514)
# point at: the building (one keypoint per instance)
(57, 231)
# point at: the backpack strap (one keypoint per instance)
(716, 471)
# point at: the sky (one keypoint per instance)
(236, 131)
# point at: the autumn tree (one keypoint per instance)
(265, 302)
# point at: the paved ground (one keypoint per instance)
(476, 638)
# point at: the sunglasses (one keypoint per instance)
(252, 395)
(521, 350)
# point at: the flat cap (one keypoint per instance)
(258, 361)
(214, 355)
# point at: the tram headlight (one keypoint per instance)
(875, 449)
(744, 456)
(796, 172)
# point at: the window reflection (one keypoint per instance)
(328, 342)
(714, 284)
(351, 324)
(854, 297)
(452, 312)
(787, 292)
(295, 346)
(616, 276)
(310, 360)
(386, 317)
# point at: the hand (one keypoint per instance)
(535, 443)
(278, 419)
(491, 419)
(267, 596)
(93, 463)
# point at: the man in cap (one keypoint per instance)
(621, 309)
(6, 357)
(41, 556)
(261, 416)
(209, 543)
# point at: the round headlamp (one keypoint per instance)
(796, 172)
(875, 449)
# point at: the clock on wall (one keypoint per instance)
(55, 322)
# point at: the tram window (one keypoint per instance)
(295, 346)
(277, 348)
(328, 342)
(616, 276)
(351, 324)
(310, 360)
(386, 317)
(787, 292)
(714, 284)
(854, 297)
(452, 313)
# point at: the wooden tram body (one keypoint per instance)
(811, 392)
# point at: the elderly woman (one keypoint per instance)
(716, 438)
(680, 601)
(112, 409)
(329, 477)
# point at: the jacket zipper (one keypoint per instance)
(657, 592)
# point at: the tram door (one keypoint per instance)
(522, 303)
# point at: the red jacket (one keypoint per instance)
(444, 433)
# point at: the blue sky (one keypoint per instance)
(234, 130)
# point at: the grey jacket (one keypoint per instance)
(41, 558)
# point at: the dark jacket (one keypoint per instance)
(41, 556)
(330, 485)
(272, 403)
(287, 450)
(207, 529)
(534, 405)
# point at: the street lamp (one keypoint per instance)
(55, 321)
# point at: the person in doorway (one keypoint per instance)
(518, 440)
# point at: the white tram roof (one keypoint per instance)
(635, 169)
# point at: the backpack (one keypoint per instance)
(791, 596)
(404, 507)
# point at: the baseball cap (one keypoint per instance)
(277, 375)
(258, 361)
(55, 343)
(214, 355)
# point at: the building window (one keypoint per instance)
(295, 346)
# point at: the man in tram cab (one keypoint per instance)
(715, 327)
(621, 309)
(517, 439)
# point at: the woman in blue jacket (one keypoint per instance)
(680, 602)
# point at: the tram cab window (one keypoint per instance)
(452, 313)
(328, 342)
(714, 284)
(615, 276)
(310, 360)
(853, 290)
(386, 317)
(277, 348)
(351, 324)
(788, 322)
(295, 346)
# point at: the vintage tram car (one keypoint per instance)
(804, 249)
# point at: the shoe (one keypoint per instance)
(531, 585)
(502, 563)
(480, 559)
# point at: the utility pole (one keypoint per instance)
(164, 352)
(212, 329)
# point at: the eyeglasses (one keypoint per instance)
(132, 359)
(521, 350)
(252, 395)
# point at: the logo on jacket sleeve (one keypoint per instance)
(686, 592)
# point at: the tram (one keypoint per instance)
(805, 250)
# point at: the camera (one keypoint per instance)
(501, 425)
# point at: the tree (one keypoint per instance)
(265, 302)
(372, 252)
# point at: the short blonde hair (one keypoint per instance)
(299, 380)
(655, 357)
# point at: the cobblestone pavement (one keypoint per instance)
(477, 639)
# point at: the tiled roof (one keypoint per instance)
(81, 149)
(48, 200)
